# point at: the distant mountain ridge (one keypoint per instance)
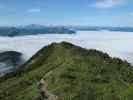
(99, 28)
(34, 29)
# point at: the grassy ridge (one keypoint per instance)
(71, 73)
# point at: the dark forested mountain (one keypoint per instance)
(70, 73)
(9, 60)
(33, 30)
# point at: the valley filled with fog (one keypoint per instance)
(116, 44)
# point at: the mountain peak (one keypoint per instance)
(70, 72)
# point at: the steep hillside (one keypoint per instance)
(70, 73)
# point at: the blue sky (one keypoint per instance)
(67, 12)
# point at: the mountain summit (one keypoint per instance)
(70, 73)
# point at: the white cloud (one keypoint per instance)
(34, 10)
(106, 3)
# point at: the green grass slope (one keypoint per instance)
(71, 73)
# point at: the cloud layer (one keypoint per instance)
(117, 44)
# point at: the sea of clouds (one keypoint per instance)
(116, 44)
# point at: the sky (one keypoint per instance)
(67, 12)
